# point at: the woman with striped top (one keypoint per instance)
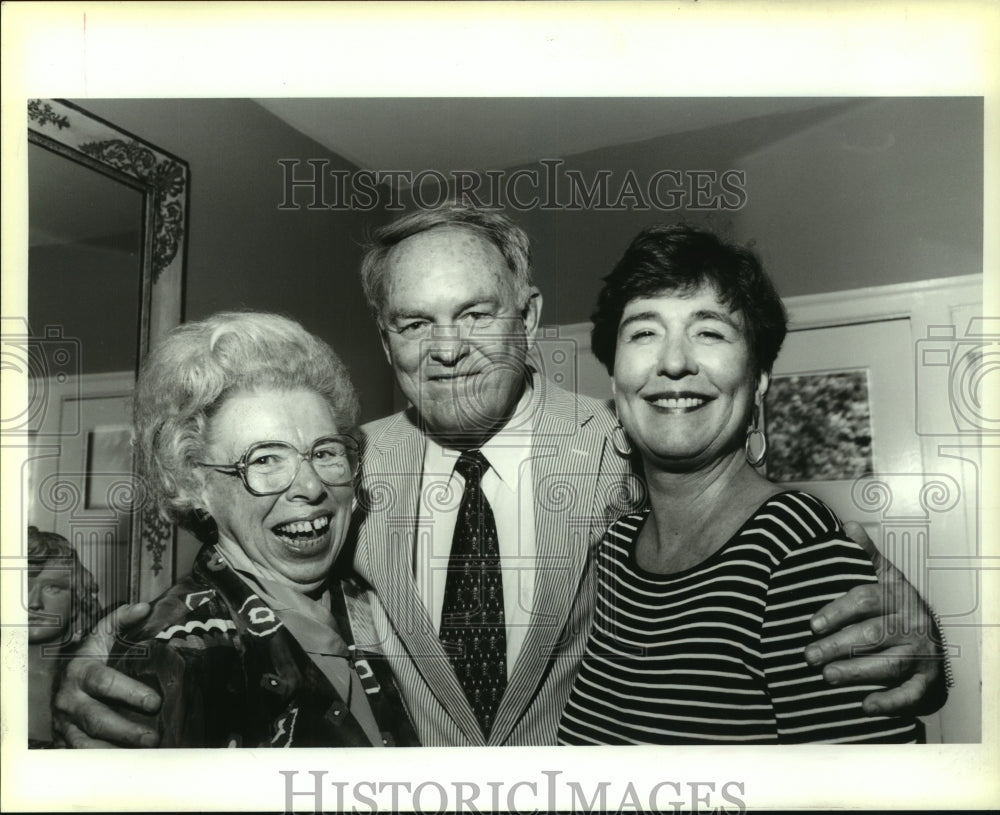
(704, 599)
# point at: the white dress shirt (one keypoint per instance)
(507, 485)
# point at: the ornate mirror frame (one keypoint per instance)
(163, 181)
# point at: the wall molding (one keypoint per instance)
(898, 300)
(894, 301)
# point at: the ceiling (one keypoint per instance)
(443, 134)
(446, 134)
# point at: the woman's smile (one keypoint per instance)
(305, 536)
(677, 403)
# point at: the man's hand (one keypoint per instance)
(882, 633)
(80, 712)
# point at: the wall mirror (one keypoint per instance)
(107, 228)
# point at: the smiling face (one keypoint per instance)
(294, 536)
(455, 332)
(684, 379)
(50, 605)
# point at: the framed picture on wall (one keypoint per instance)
(819, 427)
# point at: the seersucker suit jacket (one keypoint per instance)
(580, 482)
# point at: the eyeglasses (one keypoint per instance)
(270, 467)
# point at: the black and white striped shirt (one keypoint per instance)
(715, 653)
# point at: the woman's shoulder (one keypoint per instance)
(808, 545)
(790, 522)
(797, 515)
(190, 613)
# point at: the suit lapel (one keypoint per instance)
(564, 464)
(389, 499)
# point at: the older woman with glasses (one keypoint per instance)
(243, 434)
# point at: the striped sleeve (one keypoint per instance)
(821, 564)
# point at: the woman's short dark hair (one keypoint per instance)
(49, 550)
(665, 259)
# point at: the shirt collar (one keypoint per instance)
(505, 450)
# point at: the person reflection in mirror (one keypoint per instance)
(62, 608)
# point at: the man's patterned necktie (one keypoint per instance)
(473, 630)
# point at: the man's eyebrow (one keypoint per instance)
(487, 300)
(408, 314)
(405, 315)
(462, 307)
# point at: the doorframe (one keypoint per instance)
(923, 302)
(957, 554)
(151, 566)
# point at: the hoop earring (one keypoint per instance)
(623, 447)
(754, 430)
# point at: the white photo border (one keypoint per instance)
(81, 50)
